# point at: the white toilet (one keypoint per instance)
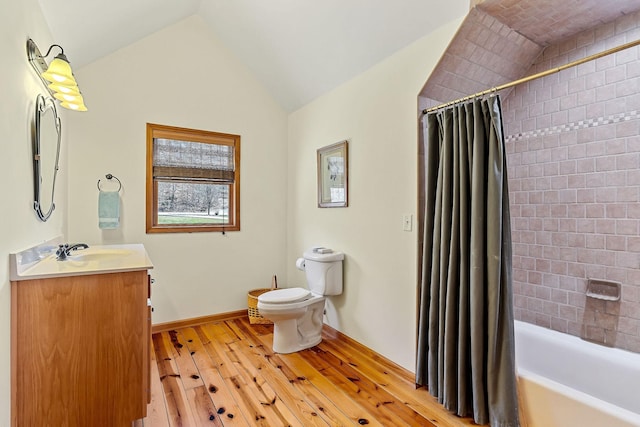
(297, 313)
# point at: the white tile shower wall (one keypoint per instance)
(573, 143)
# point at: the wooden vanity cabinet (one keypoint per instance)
(80, 350)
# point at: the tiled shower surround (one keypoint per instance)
(573, 143)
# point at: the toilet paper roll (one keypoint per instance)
(300, 263)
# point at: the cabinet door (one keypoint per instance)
(80, 350)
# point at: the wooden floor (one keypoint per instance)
(225, 374)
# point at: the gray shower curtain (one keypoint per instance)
(465, 352)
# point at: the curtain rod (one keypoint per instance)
(535, 76)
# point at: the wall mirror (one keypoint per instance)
(46, 151)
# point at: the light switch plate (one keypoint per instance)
(407, 222)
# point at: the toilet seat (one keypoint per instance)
(285, 296)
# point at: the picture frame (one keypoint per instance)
(333, 173)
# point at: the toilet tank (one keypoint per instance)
(323, 271)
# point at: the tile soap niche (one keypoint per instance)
(603, 289)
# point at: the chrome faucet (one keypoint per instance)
(65, 250)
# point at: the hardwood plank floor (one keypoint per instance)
(225, 374)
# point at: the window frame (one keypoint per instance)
(191, 135)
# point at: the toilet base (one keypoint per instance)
(282, 333)
(292, 335)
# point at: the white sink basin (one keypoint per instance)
(98, 255)
(40, 261)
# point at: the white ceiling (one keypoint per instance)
(299, 49)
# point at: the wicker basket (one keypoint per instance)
(252, 299)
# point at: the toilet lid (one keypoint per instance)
(284, 295)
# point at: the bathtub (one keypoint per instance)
(564, 381)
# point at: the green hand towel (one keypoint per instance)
(108, 209)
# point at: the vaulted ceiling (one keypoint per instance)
(299, 49)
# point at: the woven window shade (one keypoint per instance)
(185, 160)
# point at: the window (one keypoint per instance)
(193, 180)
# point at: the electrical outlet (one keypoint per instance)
(407, 222)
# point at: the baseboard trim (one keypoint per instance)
(185, 323)
(330, 331)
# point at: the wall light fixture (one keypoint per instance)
(57, 76)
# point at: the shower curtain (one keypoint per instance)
(465, 352)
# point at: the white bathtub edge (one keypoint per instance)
(622, 416)
(609, 374)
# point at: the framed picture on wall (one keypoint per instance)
(333, 170)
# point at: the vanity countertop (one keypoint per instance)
(40, 262)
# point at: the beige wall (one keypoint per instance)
(182, 76)
(377, 113)
(19, 226)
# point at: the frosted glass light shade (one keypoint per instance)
(75, 106)
(71, 98)
(59, 71)
(68, 90)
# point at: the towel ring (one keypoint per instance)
(110, 176)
